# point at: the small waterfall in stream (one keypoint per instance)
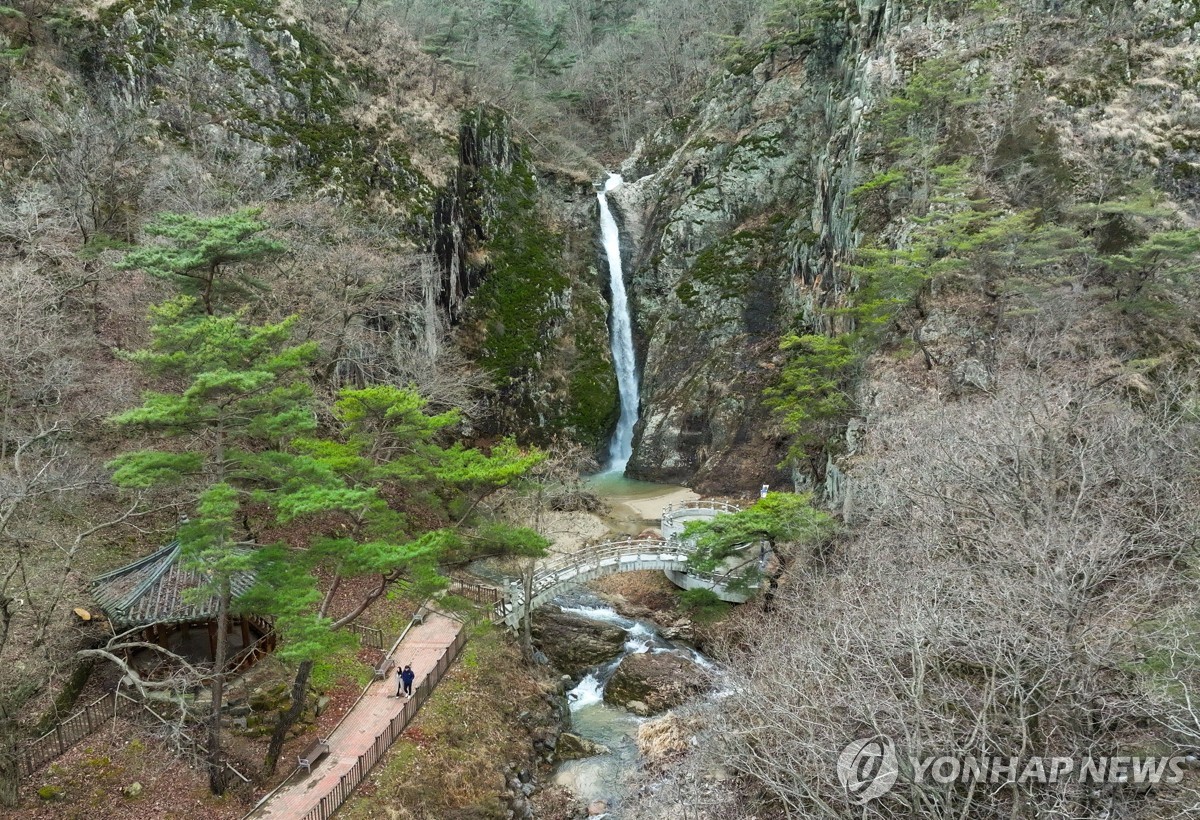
(621, 446)
(607, 776)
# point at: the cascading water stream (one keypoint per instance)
(606, 776)
(621, 446)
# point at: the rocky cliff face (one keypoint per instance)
(739, 217)
(744, 216)
(523, 286)
(248, 78)
(299, 106)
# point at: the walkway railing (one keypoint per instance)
(676, 516)
(72, 730)
(332, 801)
(609, 549)
(479, 593)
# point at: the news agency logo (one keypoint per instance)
(869, 767)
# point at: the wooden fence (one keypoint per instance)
(332, 801)
(479, 593)
(72, 730)
(75, 728)
(248, 656)
(368, 635)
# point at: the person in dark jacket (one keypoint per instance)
(407, 676)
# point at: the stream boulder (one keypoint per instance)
(655, 682)
(574, 643)
(573, 747)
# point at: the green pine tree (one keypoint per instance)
(385, 437)
(813, 394)
(965, 241)
(207, 257)
(1140, 250)
(241, 391)
(801, 24)
(781, 522)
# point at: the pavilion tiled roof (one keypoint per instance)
(152, 590)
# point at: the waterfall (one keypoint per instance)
(621, 446)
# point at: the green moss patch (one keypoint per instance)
(729, 269)
(541, 335)
(593, 404)
(516, 303)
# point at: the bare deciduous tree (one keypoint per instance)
(54, 498)
(1011, 556)
(371, 303)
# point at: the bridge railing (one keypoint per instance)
(676, 516)
(551, 573)
(701, 504)
(608, 549)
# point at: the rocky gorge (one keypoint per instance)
(624, 673)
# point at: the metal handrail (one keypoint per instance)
(548, 576)
(608, 549)
(700, 504)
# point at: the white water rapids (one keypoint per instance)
(609, 776)
(621, 446)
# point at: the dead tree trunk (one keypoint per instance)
(527, 619)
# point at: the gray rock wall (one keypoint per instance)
(741, 220)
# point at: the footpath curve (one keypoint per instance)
(374, 722)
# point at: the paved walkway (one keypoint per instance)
(421, 647)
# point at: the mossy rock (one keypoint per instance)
(573, 747)
(574, 643)
(49, 793)
(660, 680)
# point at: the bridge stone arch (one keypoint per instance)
(669, 554)
(563, 572)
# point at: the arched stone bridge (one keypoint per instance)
(559, 573)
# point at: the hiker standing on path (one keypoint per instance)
(406, 675)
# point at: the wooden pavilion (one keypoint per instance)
(150, 595)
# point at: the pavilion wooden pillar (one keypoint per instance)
(212, 641)
(245, 633)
